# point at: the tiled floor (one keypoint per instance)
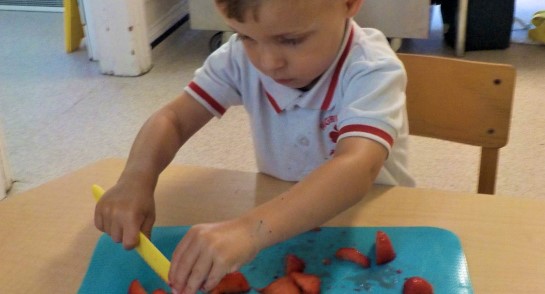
(59, 113)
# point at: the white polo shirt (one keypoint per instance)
(362, 94)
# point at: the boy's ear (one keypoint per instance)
(353, 7)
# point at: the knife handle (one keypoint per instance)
(151, 255)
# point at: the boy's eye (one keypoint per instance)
(243, 37)
(291, 41)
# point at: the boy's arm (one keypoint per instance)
(128, 207)
(209, 251)
(332, 188)
(162, 135)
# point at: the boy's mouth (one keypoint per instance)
(284, 81)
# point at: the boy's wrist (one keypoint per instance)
(255, 229)
(142, 179)
(261, 230)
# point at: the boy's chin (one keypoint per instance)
(297, 84)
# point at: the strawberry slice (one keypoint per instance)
(384, 249)
(234, 282)
(353, 255)
(293, 264)
(283, 285)
(136, 288)
(309, 284)
(159, 291)
(417, 285)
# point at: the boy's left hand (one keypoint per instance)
(208, 252)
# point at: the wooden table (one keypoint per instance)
(47, 234)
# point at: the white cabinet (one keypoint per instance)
(119, 33)
(395, 18)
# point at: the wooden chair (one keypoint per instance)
(461, 101)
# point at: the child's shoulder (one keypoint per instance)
(371, 44)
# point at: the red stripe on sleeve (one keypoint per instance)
(368, 129)
(204, 95)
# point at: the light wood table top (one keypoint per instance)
(47, 234)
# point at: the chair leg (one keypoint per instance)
(488, 170)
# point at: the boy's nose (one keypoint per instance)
(271, 60)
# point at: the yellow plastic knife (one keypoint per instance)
(153, 257)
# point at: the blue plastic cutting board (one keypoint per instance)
(432, 253)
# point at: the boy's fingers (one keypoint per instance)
(198, 274)
(99, 222)
(214, 277)
(116, 232)
(131, 237)
(147, 226)
(183, 260)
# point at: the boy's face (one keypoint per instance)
(294, 41)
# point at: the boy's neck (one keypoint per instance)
(309, 86)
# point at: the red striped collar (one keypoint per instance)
(281, 97)
(335, 78)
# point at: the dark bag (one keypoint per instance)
(489, 23)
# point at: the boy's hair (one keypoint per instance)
(237, 9)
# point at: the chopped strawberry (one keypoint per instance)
(352, 254)
(136, 288)
(159, 291)
(417, 285)
(283, 285)
(309, 284)
(234, 282)
(293, 264)
(384, 249)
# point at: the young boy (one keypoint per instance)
(327, 107)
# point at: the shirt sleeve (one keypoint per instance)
(373, 104)
(215, 84)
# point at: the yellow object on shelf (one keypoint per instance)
(73, 28)
(153, 257)
(538, 33)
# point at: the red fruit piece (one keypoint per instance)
(234, 282)
(294, 264)
(309, 284)
(136, 288)
(159, 291)
(384, 249)
(417, 285)
(352, 254)
(283, 285)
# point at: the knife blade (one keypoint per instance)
(151, 255)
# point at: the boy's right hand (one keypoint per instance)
(124, 211)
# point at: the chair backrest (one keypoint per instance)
(461, 101)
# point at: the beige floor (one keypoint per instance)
(59, 113)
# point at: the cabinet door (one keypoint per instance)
(396, 18)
